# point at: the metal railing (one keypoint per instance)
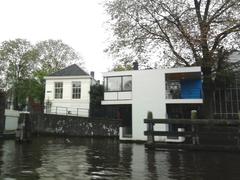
(69, 111)
(189, 94)
(226, 103)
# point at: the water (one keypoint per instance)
(85, 158)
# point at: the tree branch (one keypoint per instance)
(222, 9)
(223, 35)
(206, 10)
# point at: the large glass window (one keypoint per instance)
(76, 90)
(119, 83)
(114, 83)
(58, 90)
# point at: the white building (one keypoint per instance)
(166, 93)
(67, 91)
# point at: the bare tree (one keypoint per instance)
(190, 32)
(181, 32)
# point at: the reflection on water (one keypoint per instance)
(85, 158)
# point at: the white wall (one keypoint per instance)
(11, 119)
(148, 94)
(67, 100)
(117, 96)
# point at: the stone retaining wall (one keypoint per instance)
(73, 126)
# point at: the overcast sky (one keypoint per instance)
(79, 23)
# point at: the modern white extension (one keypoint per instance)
(67, 92)
(167, 93)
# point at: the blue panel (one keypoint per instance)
(191, 89)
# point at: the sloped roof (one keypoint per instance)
(72, 70)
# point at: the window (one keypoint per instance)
(127, 83)
(114, 83)
(58, 90)
(119, 83)
(76, 90)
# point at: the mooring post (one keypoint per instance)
(238, 135)
(150, 128)
(195, 138)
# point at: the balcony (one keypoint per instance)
(186, 87)
(117, 98)
(174, 90)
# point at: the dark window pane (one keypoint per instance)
(76, 90)
(58, 90)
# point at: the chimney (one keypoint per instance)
(92, 74)
(135, 65)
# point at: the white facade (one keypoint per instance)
(148, 94)
(11, 120)
(67, 104)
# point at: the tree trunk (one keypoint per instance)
(208, 89)
(15, 99)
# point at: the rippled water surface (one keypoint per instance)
(85, 158)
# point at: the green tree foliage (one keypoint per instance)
(119, 67)
(23, 66)
(96, 96)
(18, 59)
(55, 55)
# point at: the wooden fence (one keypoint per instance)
(197, 132)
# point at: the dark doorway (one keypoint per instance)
(180, 111)
(123, 112)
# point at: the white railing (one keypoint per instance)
(69, 111)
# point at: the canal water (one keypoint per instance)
(86, 158)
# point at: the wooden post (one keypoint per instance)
(150, 128)
(2, 111)
(195, 138)
(238, 136)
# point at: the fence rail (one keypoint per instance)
(194, 130)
